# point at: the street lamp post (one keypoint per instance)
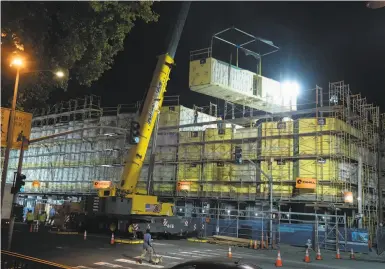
(18, 62)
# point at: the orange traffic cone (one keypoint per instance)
(85, 235)
(255, 244)
(338, 255)
(278, 262)
(319, 254)
(229, 255)
(307, 257)
(112, 239)
(352, 254)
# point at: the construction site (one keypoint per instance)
(325, 159)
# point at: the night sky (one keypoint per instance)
(319, 41)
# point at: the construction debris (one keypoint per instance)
(228, 240)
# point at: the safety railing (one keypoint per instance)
(12, 260)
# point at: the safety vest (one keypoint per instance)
(30, 216)
(130, 228)
(43, 217)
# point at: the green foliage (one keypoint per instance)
(79, 37)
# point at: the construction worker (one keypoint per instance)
(147, 246)
(29, 219)
(42, 219)
(131, 231)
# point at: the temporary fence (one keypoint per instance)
(293, 228)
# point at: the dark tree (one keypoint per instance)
(81, 38)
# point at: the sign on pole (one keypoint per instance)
(22, 127)
(5, 114)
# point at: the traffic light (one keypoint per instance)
(238, 155)
(19, 183)
(134, 133)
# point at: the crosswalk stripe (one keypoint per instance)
(211, 253)
(108, 264)
(205, 255)
(143, 264)
(185, 255)
(163, 244)
(165, 256)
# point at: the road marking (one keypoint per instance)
(144, 263)
(205, 255)
(108, 264)
(185, 255)
(165, 256)
(162, 244)
(211, 253)
(83, 267)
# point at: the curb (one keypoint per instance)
(130, 242)
(196, 240)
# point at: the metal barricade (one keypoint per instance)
(12, 260)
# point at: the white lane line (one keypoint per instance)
(211, 253)
(223, 254)
(108, 264)
(185, 255)
(162, 244)
(165, 256)
(143, 263)
(205, 255)
(83, 267)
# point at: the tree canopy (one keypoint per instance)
(80, 38)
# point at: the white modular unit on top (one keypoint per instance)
(218, 79)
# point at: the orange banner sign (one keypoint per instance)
(102, 184)
(183, 186)
(305, 183)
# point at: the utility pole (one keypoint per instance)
(24, 141)
(10, 134)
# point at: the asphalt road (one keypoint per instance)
(96, 252)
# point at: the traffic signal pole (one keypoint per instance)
(24, 141)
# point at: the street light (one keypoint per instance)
(290, 89)
(17, 61)
(59, 74)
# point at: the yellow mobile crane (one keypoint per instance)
(123, 200)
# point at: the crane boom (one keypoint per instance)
(152, 105)
(146, 204)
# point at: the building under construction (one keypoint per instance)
(324, 158)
